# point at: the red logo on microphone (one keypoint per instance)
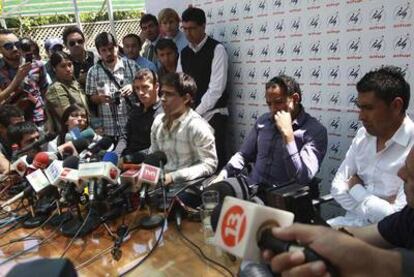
(149, 173)
(113, 173)
(233, 226)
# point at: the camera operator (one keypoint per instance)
(108, 85)
(23, 80)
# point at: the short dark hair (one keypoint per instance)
(6, 32)
(104, 39)
(58, 57)
(146, 73)
(164, 43)
(194, 14)
(148, 18)
(387, 83)
(8, 111)
(16, 132)
(287, 83)
(135, 36)
(183, 83)
(69, 30)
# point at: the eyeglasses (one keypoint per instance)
(10, 45)
(74, 42)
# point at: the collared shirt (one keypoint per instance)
(276, 162)
(189, 146)
(180, 40)
(218, 80)
(138, 128)
(114, 116)
(149, 54)
(366, 204)
(145, 63)
(35, 84)
(61, 95)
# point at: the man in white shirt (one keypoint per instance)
(366, 184)
(206, 60)
(151, 32)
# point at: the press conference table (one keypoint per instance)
(91, 255)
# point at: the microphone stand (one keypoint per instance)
(34, 220)
(155, 220)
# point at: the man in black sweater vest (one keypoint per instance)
(206, 60)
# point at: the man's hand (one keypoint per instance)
(348, 255)
(220, 177)
(284, 125)
(126, 90)
(22, 72)
(168, 179)
(354, 180)
(101, 99)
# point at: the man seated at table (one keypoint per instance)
(366, 184)
(285, 144)
(182, 134)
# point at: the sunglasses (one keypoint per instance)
(10, 45)
(74, 42)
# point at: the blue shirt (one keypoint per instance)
(276, 162)
(180, 40)
(145, 63)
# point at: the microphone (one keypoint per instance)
(93, 148)
(242, 225)
(20, 165)
(133, 161)
(45, 139)
(89, 134)
(72, 148)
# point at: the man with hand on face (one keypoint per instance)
(362, 254)
(285, 144)
(109, 86)
(366, 184)
(141, 117)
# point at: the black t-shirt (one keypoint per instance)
(398, 228)
(138, 128)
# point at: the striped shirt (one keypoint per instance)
(189, 146)
(114, 116)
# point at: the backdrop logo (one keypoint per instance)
(237, 74)
(354, 46)
(335, 124)
(247, 8)
(335, 149)
(314, 23)
(402, 43)
(402, 12)
(315, 48)
(265, 51)
(253, 94)
(354, 72)
(220, 12)
(240, 114)
(355, 18)
(352, 101)
(335, 99)
(316, 73)
(316, 98)
(233, 10)
(405, 71)
(377, 15)
(266, 73)
(209, 14)
(222, 33)
(281, 50)
(295, 24)
(239, 93)
(254, 115)
(235, 31)
(248, 30)
(277, 4)
(333, 21)
(377, 44)
(334, 73)
(298, 73)
(251, 74)
(236, 53)
(282, 71)
(263, 28)
(297, 49)
(262, 5)
(211, 32)
(352, 127)
(280, 26)
(294, 3)
(333, 47)
(250, 52)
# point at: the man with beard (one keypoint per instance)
(109, 86)
(366, 184)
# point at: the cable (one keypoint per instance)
(148, 254)
(202, 253)
(76, 235)
(31, 233)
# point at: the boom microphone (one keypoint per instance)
(45, 139)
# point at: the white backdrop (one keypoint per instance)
(326, 45)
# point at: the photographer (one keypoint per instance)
(23, 80)
(108, 85)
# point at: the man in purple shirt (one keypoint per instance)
(285, 144)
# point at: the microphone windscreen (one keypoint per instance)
(80, 144)
(156, 158)
(88, 134)
(68, 137)
(134, 158)
(41, 160)
(104, 143)
(111, 157)
(71, 162)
